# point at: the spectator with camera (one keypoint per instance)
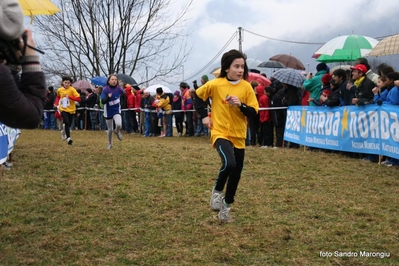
(21, 105)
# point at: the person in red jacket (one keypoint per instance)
(137, 103)
(130, 103)
(265, 119)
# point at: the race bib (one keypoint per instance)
(114, 102)
(65, 102)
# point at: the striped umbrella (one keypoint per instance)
(345, 48)
(289, 76)
(387, 46)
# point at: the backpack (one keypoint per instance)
(170, 95)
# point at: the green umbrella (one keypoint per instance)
(345, 48)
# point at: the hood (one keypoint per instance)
(260, 91)
(128, 91)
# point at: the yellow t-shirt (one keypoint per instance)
(228, 122)
(66, 104)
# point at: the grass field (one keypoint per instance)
(146, 202)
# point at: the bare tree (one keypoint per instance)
(99, 37)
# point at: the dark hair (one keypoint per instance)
(159, 90)
(66, 78)
(277, 85)
(340, 73)
(270, 90)
(386, 70)
(227, 60)
(50, 88)
(363, 61)
(109, 77)
(183, 85)
(380, 67)
(393, 76)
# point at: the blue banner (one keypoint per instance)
(8, 137)
(369, 129)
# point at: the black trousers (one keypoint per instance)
(254, 129)
(189, 124)
(230, 171)
(179, 122)
(66, 120)
(266, 134)
(280, 136)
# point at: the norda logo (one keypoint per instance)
(372, 124)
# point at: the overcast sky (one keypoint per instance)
(213, 22)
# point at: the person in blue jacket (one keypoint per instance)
(110, 97)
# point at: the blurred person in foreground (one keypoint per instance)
(21, 100)
(233, 100)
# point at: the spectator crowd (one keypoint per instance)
(156, 115)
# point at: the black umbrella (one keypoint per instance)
(271, 64)
(253, 70)
(126, 79)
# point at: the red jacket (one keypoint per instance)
(137, 103)
(129, 98)
(264, 102)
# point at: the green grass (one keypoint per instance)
(146, 202)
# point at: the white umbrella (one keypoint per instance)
(345, 48)
(153, 89)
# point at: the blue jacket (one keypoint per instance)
(112, 105)
(393, 96)
(381, 96)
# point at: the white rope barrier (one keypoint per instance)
(154, 111)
